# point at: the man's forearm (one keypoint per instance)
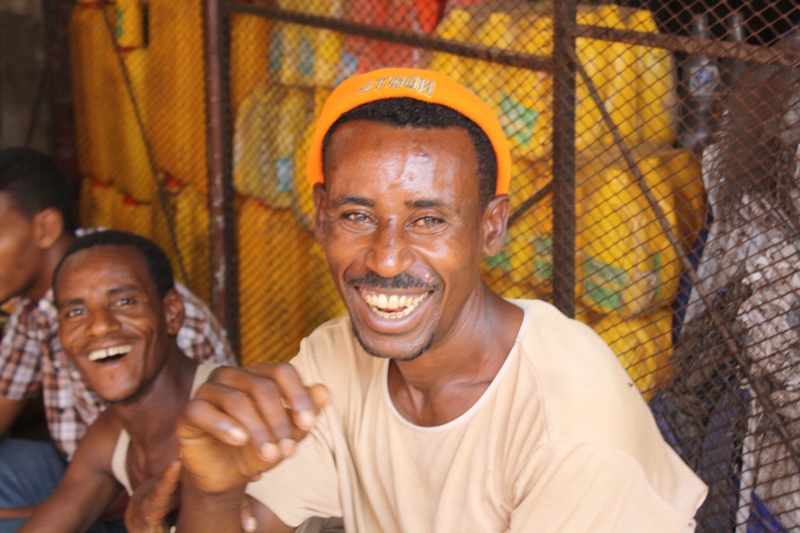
(18, 512)
(218, 513)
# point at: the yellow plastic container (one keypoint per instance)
(655, 85)
(98, 204)
(175, 90)
(589, 127)
(92, 58)
(187, 213)
(457, 26)
(273, 280)
(525, 103)
(625, 264)
(269, 124)
(133, 174)
(620, 94)
(306, 56)
(129, 23)
(486, 78)
(643, 346)
(249, 54)
(134, 216)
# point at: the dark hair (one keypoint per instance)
(418, 114)
(158, 266)
(35, 183)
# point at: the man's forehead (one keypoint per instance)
(422, 165)
(105, 261)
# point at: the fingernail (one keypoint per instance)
(238, 435)
(250, 524)
(270, 452)
(305, 419)
(286, 446)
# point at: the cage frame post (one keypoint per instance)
(220, 174)
(563, 190)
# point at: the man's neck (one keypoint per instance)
(445, 381)
(151, 416)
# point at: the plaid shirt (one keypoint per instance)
(32, 360)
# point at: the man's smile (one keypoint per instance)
(103, 354)
(392, 306)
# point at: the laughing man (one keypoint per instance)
(451, 408)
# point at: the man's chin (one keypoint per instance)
(398, 354)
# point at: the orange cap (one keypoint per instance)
(424, 85)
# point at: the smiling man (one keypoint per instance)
(451, 409)
(119, 316)
(36, 228)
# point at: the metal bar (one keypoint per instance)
(220, 182)
(779, 56)
(564, 64)
(761, 392)
(418, 40)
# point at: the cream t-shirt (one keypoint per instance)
(561, 441)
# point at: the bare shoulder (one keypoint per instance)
(96, 448)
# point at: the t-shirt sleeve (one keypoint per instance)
(579, 487)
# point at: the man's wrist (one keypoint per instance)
(202, 511)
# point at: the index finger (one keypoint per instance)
(267, 383)
(303, 402)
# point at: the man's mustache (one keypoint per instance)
(404, 280)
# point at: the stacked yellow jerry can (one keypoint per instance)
(627, 270)
(284, 288)
(136, 88)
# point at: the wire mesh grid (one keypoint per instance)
(139, 108)
(654, 189)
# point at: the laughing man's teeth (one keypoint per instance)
(400, 306)
(99, 355)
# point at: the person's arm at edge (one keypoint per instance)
(9, 411)
(87, 488)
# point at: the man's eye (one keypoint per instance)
(428, 221)
(356, 216)
(126, 301)
(72, 313)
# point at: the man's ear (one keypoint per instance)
(495, 218)
(319, 209)
(173, 311)
(48, 226)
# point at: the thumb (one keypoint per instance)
(319, 396)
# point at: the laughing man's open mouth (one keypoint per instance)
(392, 306)
(107, 354)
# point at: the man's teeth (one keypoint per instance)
(99, 355)
(393, 306)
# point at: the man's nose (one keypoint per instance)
(102, 322)
(388, 254)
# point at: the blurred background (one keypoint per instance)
(655, 190)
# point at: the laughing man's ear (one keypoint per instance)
(48, 226)
(495, 218)
(173, 310)
(319, 209)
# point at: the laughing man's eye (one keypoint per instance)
(356, 216)
(74, 312)
(428, 221)
(126, 301)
